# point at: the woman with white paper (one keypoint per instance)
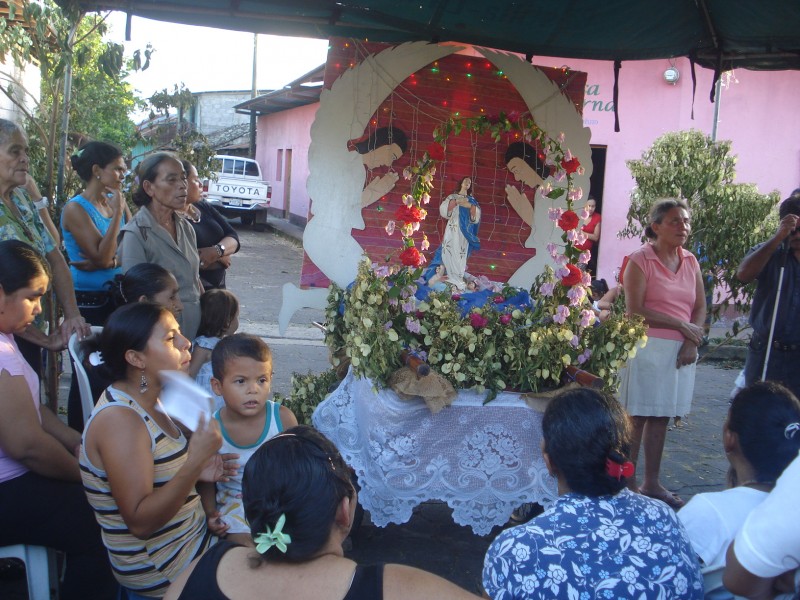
(138, 468)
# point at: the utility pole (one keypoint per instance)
(717, 101)
(253, 94)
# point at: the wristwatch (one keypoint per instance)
(220, 249)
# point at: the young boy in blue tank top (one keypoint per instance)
(242, 375)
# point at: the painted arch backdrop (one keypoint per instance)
(414, 87)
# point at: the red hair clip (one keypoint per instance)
(618, 471)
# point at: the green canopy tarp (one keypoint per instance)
(718, 34)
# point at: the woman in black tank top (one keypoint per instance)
(300, 502)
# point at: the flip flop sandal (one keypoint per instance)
(671, 499)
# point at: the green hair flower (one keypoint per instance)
(265, 541)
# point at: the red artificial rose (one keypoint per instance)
(411, 257)
(568, 221)
(499, 299)
(478, 321)
(571, 165)
(435, 151)
(574, 278)
(408, 214)
(505, 319)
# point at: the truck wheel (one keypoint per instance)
(248, 219)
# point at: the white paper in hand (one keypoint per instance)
(184, 400)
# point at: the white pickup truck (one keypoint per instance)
(239, 190)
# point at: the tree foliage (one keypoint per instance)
(55, 37)
(728, 218)
(175, 133)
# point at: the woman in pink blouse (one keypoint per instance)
(663, 285)
(40, 484)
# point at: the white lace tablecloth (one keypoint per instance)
(484, 461)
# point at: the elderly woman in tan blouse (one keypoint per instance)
(157, 234)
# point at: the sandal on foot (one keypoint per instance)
(671, 499)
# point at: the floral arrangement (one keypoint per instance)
(307, 392)
(499, 345)
(525, 349)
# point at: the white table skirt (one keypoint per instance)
(484, 461)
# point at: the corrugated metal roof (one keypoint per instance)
(300, 92)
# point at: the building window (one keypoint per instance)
(279, 167)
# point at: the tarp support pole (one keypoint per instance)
(617, 67)
(694, 82)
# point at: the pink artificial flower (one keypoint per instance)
(388, 325)
(425, 243)
(554, 213)
(584, 356)
(575, 194)
(586, 279)
(575, 341)
(455, 297)
(576, 295)
(547, 289)
(408, 200)
(584, 214)
(546, 188)
(382, 271)
(498, 299)
(587, 317)
(412, 325)
(390, 227)
(426, 198)
(407, 173)
(552, 250)
(505, 319)
(562, 314)
(585, 257)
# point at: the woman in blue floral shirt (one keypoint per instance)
(598, 539)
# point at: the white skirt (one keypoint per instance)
(651, 385)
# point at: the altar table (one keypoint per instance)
(482, 460)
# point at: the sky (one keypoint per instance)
(206, 59)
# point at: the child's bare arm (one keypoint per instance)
(287, 418)
(200, 356)
(208, 498)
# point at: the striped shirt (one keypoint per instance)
(146, 566)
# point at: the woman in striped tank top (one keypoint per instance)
(138, 469)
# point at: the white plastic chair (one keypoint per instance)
(87, 401)
(40, 569)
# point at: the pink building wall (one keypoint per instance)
(289, 130)
(758, 112)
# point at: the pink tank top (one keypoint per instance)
(671, 293)
(12, 362)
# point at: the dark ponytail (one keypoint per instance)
(301, 475)
(584, 429)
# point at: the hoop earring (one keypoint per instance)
(143, 383)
